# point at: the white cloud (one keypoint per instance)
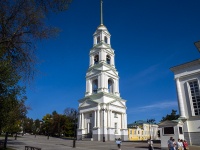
(153, 107)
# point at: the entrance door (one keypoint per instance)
(89, 128)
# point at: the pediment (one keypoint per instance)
(88, 103)
(110, 71)
(117, 103)
(93, 71)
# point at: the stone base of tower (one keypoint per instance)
(124, 134)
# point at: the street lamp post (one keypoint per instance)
(75, 127)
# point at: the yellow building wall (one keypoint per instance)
(137, 134)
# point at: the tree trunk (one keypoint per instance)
(16, 136)
(6, 139)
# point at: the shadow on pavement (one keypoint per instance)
(146, 147)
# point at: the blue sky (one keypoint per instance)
(148, 36)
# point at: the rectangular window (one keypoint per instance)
(180, 130)
(115, 115)
(168, 130)
(98, 39)
(115, 127)
(194, 90)
(130, 131)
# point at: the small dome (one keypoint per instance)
(101, 27)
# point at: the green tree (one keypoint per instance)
(172, 116)
(47, 124)
(22, 24)
(71, 122)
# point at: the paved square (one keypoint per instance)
(63, 144)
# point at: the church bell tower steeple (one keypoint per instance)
(102, 101)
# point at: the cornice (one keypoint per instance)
(98, 95)
(185, 65)
(96, 66)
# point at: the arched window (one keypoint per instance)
(96, 59)
(98, 39)
(105, 39)
(110, 86)
(108, 59)
(94, 86)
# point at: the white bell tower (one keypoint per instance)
(102, 112)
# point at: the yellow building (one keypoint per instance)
(142, 131)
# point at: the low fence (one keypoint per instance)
(1, 144)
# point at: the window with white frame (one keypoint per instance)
(180, 130)
(105, 39)
(110, 86)
(94, 86)
(96, 59)
(98, 39)
(168, 130)
(195, 96)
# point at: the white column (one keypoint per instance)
(80, 121)
(91, 60)
(95, 119)
(95, 40)
(180, 99)
(125, 121)
(108, 40)
(107, 118)
(98, 120)
(102, 80)
(122, 121)
(99, 82)
(101, 56)
(83, 126)
(116, 86)
(110, 118)
(87, 85)
(112, 60)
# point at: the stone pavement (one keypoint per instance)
(63, 144)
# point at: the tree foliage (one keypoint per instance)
(22, 23)
(12, 99)
(172, 116)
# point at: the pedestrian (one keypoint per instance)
(185, 145)
(150, 143)
(174, 144)
(170, 144)
(119, 143)
(179, 145)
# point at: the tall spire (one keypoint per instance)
(101, 12)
